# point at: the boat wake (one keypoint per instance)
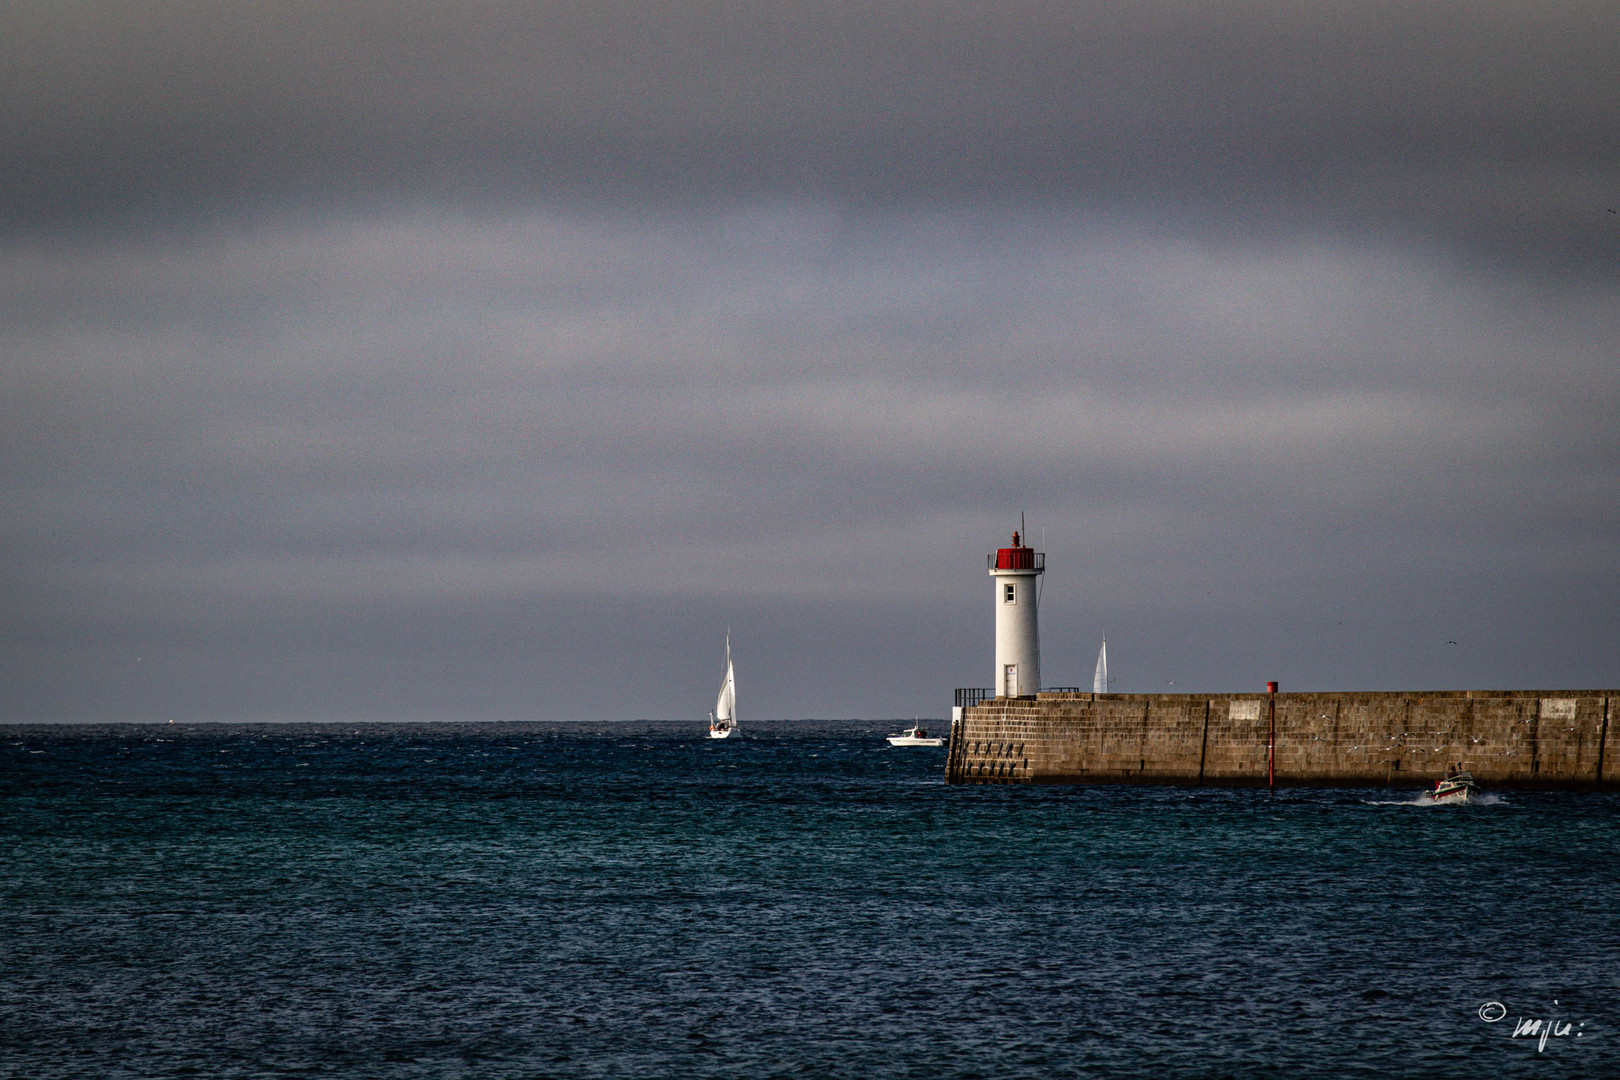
(1423, 799)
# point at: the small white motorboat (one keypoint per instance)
(1457, 786)
(915, 736)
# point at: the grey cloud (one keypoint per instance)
(379, 405)
(1488, 124)
(429, 361)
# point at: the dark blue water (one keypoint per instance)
(632, 900)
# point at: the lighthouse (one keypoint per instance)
(1018, 642)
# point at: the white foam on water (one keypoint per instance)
(1422, 799)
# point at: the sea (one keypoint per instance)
(632, 899)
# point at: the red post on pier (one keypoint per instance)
(1271, 737)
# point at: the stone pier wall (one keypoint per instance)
(1507, 739)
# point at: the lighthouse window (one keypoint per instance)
(1011, 594)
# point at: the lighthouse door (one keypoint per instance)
(1010, 680)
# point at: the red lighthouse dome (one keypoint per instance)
(1018, 557)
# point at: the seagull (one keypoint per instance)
(1451, 643)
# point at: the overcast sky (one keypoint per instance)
(490, 361)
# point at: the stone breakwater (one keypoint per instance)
(1506, 738)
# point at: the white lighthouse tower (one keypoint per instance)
(1018, 641)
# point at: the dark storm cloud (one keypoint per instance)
(441, 421)
(1486, 122)
(400, 361)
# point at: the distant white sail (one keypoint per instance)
(725, 708)
(1099, 681)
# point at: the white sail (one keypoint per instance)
(1099, 681)
(725, 708)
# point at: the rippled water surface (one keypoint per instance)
(631, 900)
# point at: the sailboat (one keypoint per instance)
(723, 721)
(1099, 681)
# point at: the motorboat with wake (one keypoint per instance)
(723, 720)
(1457, 786)
(915, 736)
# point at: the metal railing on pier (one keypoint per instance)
(966, 697)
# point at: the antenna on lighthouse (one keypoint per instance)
(1040, 590)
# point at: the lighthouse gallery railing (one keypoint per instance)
(1016, 559)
